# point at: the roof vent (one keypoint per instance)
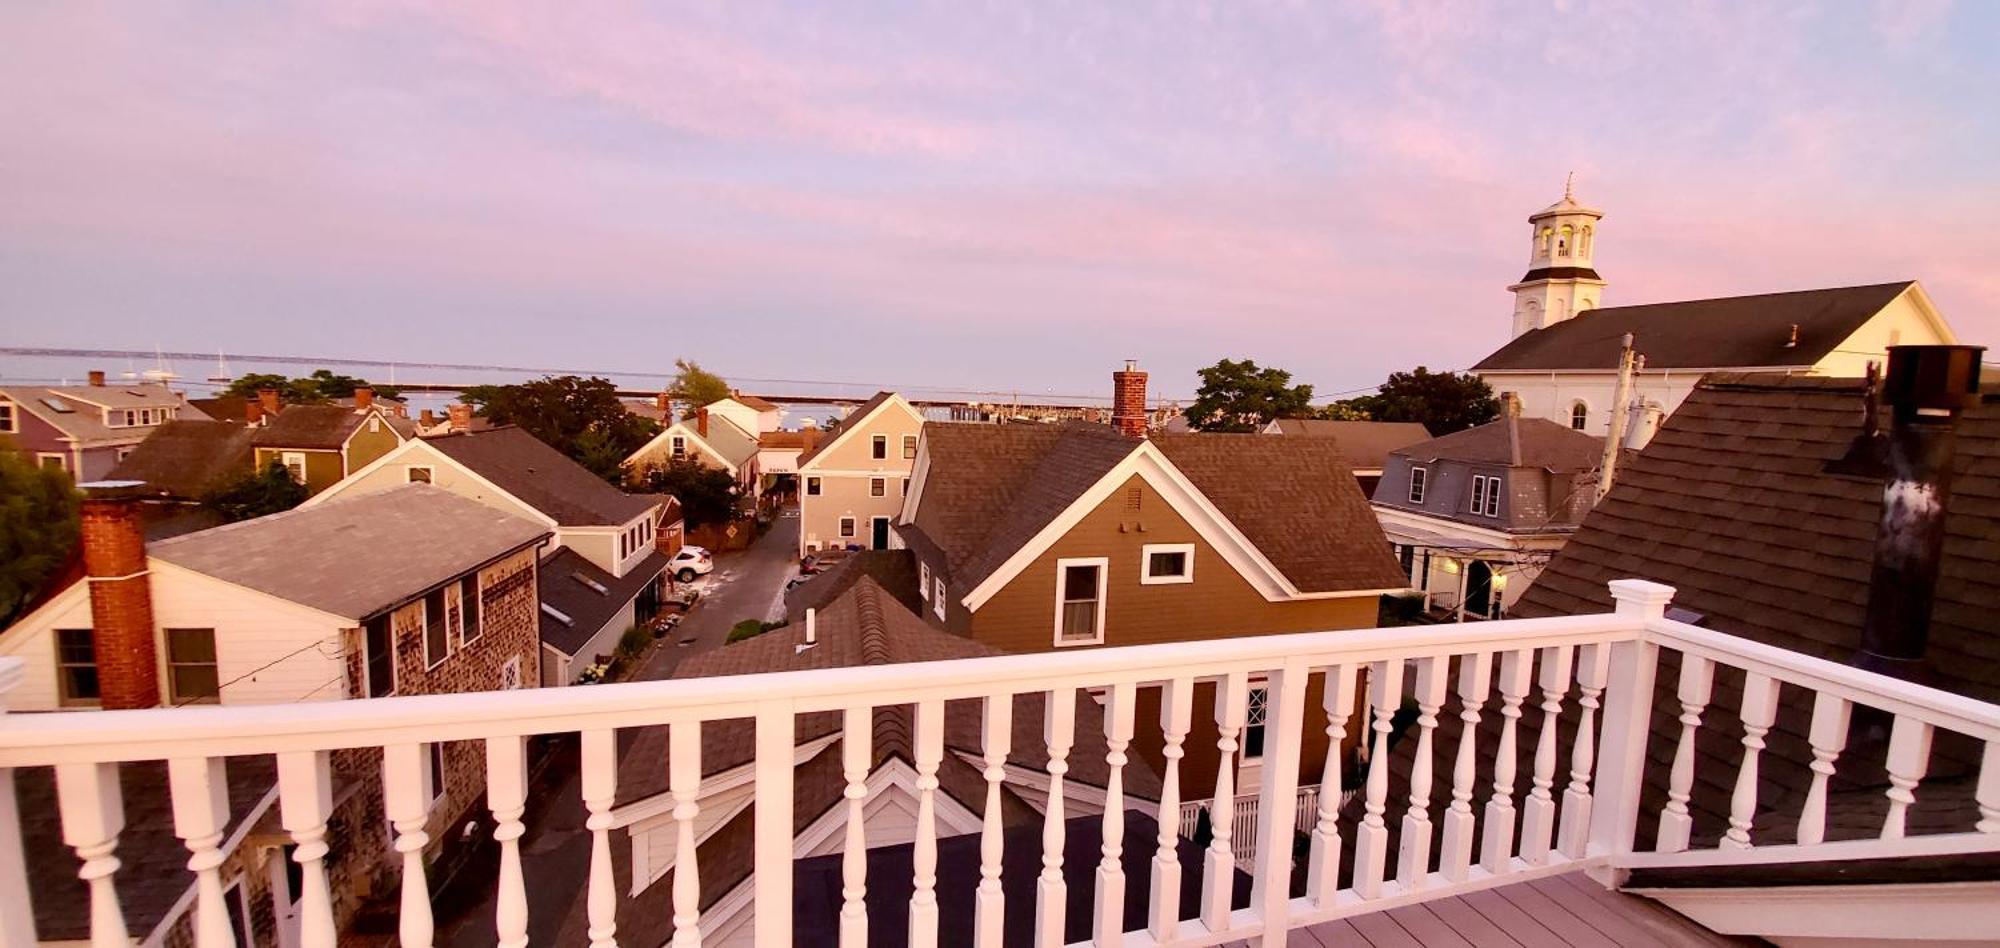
(557, 614)
(1793, 341)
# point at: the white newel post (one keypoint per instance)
(1109, 925)
(1164, 901)
(17, 910)
(1628, 711)
(1277, 800)
(200, 790)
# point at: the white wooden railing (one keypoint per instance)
(1599, 667)
(1242, 814)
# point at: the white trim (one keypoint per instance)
(918, 471)
(1063, 565)
(418, 444)
(924, 581)
(888, 533)
(285, 458)
(637, 814)
(1948, 913)
(878, 479)
(62, 460)
(938, 598)
(857, 424)
(425, 630)
(1186, 575)
(1419, 485)
(694, 437)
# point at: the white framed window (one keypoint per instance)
(680, 447)
(419, 474)
(295, 464)
(437, 638)
(52, 462)
(1165, 563)
(879, 447)
(433, 775)
(469, 593)
(374, 425)
(812, 487)
(1254, 720)
(847, 528)
(76, 667)
(510, 674)
(454, 611)
(7, 417)
(878, 487)
(924, 581)
(1417, 477)
(937, 596)
(1486, 495)
(192, 677)
(909, 447)
(1579, 416)
(1080, 589)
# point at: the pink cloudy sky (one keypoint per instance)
(1013, 196)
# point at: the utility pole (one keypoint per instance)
(1620, 408)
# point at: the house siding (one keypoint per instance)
(323, 468)
(364, 446)
(845, 495)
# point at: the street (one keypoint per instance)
(555, 853)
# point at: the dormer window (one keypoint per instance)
(1579, 416)
(1486, 495)
(1417, 477)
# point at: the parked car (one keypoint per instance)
(690, 562)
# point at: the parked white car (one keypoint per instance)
(690, 562)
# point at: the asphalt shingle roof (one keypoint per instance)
(1731, 332)
(326, 427)
(185, 458)
(587, 608)
(1515, 442)
(1365, 444)
(542, 477)
(355, 556)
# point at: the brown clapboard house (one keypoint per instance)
(1035, 538)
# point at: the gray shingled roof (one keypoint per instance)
(1515, 442)
(1365, 444)
(587, 609)
(185, 458)
(542, 477)
(325, 427)
(355, 556)
(1731, 332)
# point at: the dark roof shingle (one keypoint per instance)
(542, 477)
(1515, 442)
(325, 427)
(185, 458)
(1365, 444)
(563, 585)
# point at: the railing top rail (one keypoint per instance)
(67, 737)
(1970, 716)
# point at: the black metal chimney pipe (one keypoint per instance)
(1926, 389)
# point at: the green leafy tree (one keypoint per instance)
(581, 417)
(38, 527)
(1344, 410)
(1240, 396)
(321, 386)
(708, 495)
(1443, 402)
(255, 494)
(694, 386)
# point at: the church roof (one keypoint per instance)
(1769, 330)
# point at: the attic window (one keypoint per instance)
(557, 614)
(591, 584)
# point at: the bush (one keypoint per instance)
(751, 628)
(635, 640)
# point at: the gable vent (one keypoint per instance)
(1134, 497)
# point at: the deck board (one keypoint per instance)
(1428, 928)
(1561, 911)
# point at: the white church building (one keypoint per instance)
(1562, 361)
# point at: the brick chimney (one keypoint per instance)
(121, 596)
(428, 419)
(96, 378)
(701, 421)
(268, 399)
(665, 403)
(461, 416)
(1128, 400)
(364, 398)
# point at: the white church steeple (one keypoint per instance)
(1560, 282)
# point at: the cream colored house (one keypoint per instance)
(853, 482)
(708, 437)
(1563, 359)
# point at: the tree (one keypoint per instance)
(1239, 396)
(1443, 402)
(38, 527)
(1343, 410)
(707, 495)
(255, 494)
(580, 417)
(694, 386)
(321, 386)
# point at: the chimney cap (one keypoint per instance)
(1931, 380)
(111, 490)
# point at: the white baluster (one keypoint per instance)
(856, 749)
(1051, 892)
(684, 782)
(1496, 844)
(93, 814)
(1988, 794)
(17, 910)
(1323, 866)
(1909, 758)
(1272, 813)
(1696, 685)
(600, 791)
(1760, 708)
(1218, 875)
(1110, 923)
(507, 797)
(407, 802)
(1538, 813)
(1573, 834)
(1831, 714)
(1475, 680)
(1176, 716)
(1371, 838)
(996, 739)
(305, 802)
(201, 812)
(1415, 854)
(923, 896)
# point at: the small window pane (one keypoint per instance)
(1080, 582)
(1167, 564)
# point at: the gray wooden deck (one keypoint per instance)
(1553, 912)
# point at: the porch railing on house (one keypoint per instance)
(1242, 816)
(1576, 803)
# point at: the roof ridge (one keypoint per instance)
(1753, 296)
(292, 514)
(874, 625)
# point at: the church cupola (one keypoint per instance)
(1561, 281)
